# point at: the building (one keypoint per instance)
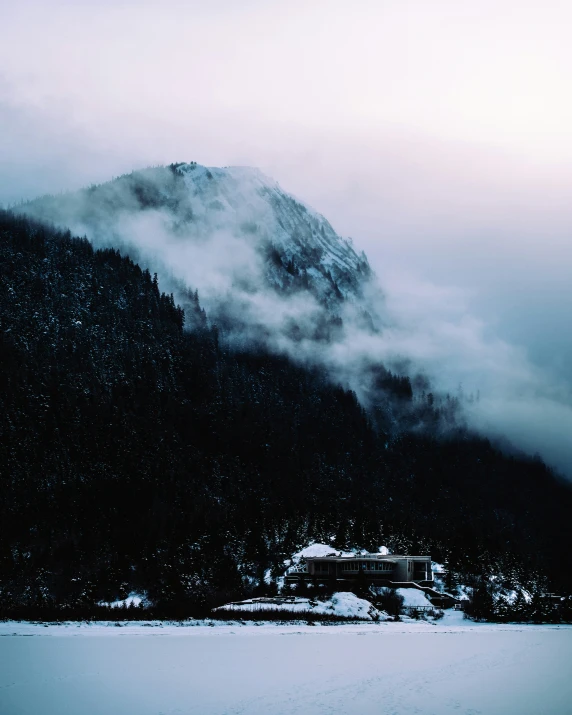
(379, 569)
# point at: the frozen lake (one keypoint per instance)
(370, 669)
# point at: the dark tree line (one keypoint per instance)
(136, 454)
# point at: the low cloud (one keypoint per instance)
(505, 395)
(424, 328)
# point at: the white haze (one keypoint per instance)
(426, 328)
(436, 134)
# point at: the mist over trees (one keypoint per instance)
(139, 455)
(273, 272)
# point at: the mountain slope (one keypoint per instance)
(135, 455)
(301, 250)
(304, 240)
(270, 271)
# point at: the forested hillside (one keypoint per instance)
(139, 452)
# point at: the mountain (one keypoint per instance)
(137, 455)
(270, 272)
(199, 213)
(305, 251)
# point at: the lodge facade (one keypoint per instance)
(379, 569)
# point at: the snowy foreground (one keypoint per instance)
(453, 666)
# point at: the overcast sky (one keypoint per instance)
(438, 134)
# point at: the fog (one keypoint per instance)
(436, 135)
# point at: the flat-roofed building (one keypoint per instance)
(380, 569)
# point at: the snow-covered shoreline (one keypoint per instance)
(453, 622)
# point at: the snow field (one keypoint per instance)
(361, 669)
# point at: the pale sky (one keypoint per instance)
(437, 133)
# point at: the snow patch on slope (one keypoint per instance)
(414, 598)
(133, 600)
(341, 604)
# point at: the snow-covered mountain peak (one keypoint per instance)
(199, 174)
(249, 201)
(271, 272)
(300, 250)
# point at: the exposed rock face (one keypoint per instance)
(300, 251)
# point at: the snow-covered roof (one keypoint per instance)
(357, 557)
(391, 558)
(327, 551)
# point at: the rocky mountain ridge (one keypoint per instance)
(288, 247)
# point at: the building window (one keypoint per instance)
(321, 568)
(368, 566)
